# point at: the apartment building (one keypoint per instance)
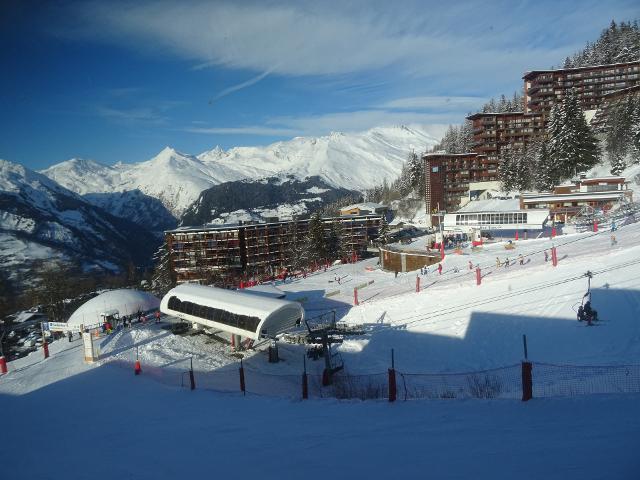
(448, 177)
(610, 102)
(492, 132)
(544, 88)
(259, 250)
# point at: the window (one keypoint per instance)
(435, 169)
(243, 322)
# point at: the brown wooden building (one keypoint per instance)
(448, 177)
(544, 88)
(234, 252)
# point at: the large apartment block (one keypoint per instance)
(448, 177)
(234, 252)
(543, 88)
(492, 132)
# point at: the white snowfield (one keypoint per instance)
(103, 420)
(354, 161)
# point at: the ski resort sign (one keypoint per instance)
(60, 327)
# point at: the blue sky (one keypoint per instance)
(118, 81)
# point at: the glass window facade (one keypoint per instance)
(507, 218)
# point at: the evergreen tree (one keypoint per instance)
(384, 229)
(162, 279)
(635, 132)
(544, 178)
(507, 170)
(335, 242)
(316, 245)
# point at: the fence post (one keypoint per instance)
(305, 383)
(527, 378)
(478, 276)
(3, 366)
(554, 256)
(393, 392)
(191, 376)
(136, 368)
(242, 386)
(355, 296)
(595, 225)
(417, 284)
(45, 348)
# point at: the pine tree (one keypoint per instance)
(163, 278)
(335, 242)
(507, 170)
(384, 229)
(635, 132)
(544, 178)
(315, 244)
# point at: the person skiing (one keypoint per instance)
(157, 316)
(613, 240)
(520, 259)
(69, 336)
(470, 265)
(506, 263)
(439, 269)
(546, 256)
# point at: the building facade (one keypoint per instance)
(567, 201)
(229, 253)
(448, 177)
(493, 132)
(544, 88)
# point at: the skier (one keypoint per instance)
(470, 265)
(157, 316)
(589, 313)
(580, 313)
(498, 264)
(613, 240)
(520, 259)
(439, 269)
(396, 274)
(69, 336)
(546, 256)
(506, 263)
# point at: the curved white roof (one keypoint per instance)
(126, 301)
(275, 315)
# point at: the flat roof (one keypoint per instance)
(577, 69)
(364, 205)
(565, 197)
(237, 226)
(491, 205)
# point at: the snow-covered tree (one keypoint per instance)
(315, 242)
(384, 229)
(544, 177)
(163, 278)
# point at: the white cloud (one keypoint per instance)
(451, 103)
(328, 38)
(248, 130)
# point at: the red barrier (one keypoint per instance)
(417, 284)
(478, 276)
(553, 232)
(355, 296)
(595, 226)
(516, 235)
(137, 369)
(3, 365)
(442, 251)
(45, 349)
(554, 257)
(393, 391)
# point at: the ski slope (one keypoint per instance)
(100, 421)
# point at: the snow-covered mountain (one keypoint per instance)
(282, 197)
(40, 219)
(353, 161)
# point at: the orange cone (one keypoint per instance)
(137, 368)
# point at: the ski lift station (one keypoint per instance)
(493, 215)
(240, 313)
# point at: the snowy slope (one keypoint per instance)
(40, 219)
(351, 161)
(451, 325)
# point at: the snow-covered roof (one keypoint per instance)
(364, 206)
(266, 290)
(492, 205)
(275, 315)
(575, 196)
(125, 301)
